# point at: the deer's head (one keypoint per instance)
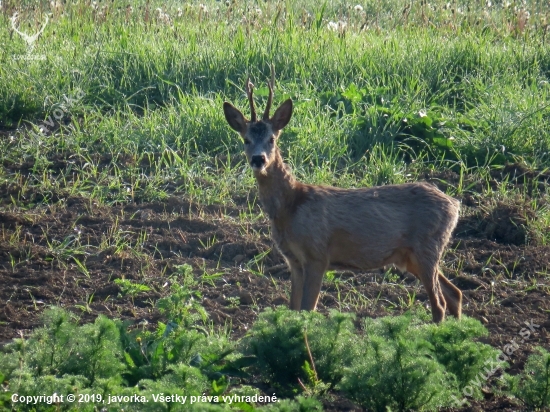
(260, 136)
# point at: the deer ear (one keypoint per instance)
(234, 117)
(282, 115)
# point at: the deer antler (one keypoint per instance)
(271, 86)
(249, 89)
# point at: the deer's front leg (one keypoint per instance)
(313, 278)
(297, 283)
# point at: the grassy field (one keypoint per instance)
(118, 168)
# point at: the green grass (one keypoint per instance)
(438, 87)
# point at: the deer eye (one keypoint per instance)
(271, 140)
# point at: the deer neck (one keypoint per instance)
(276, 189)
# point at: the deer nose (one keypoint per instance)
(257, 161)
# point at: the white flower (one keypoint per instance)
(164, 17)
(203, 8)
(489, 3)
(338, 26)
(55, 4)
(358, 8)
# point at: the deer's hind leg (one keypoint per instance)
(426, 269)
(453, 296)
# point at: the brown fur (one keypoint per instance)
(319, 227)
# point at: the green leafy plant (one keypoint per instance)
(313, 385)
(280, 340)
(182, 306)
(127, 287)
(62, 355)
(109, 358)
(532, 386)
(5, 394)
(453, 346)
(299, 404)
(395, 369)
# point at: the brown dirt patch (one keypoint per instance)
(505, 283)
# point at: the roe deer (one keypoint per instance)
(320, 227)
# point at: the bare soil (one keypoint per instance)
(504, 279)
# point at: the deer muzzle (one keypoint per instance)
(257, 161)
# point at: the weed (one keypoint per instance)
(404, 365)
(277, 340)
(532, 386)
(453, 346)
(299, 404)
(255, 265)
(127, 287)
(395, 370)
(183, 306)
